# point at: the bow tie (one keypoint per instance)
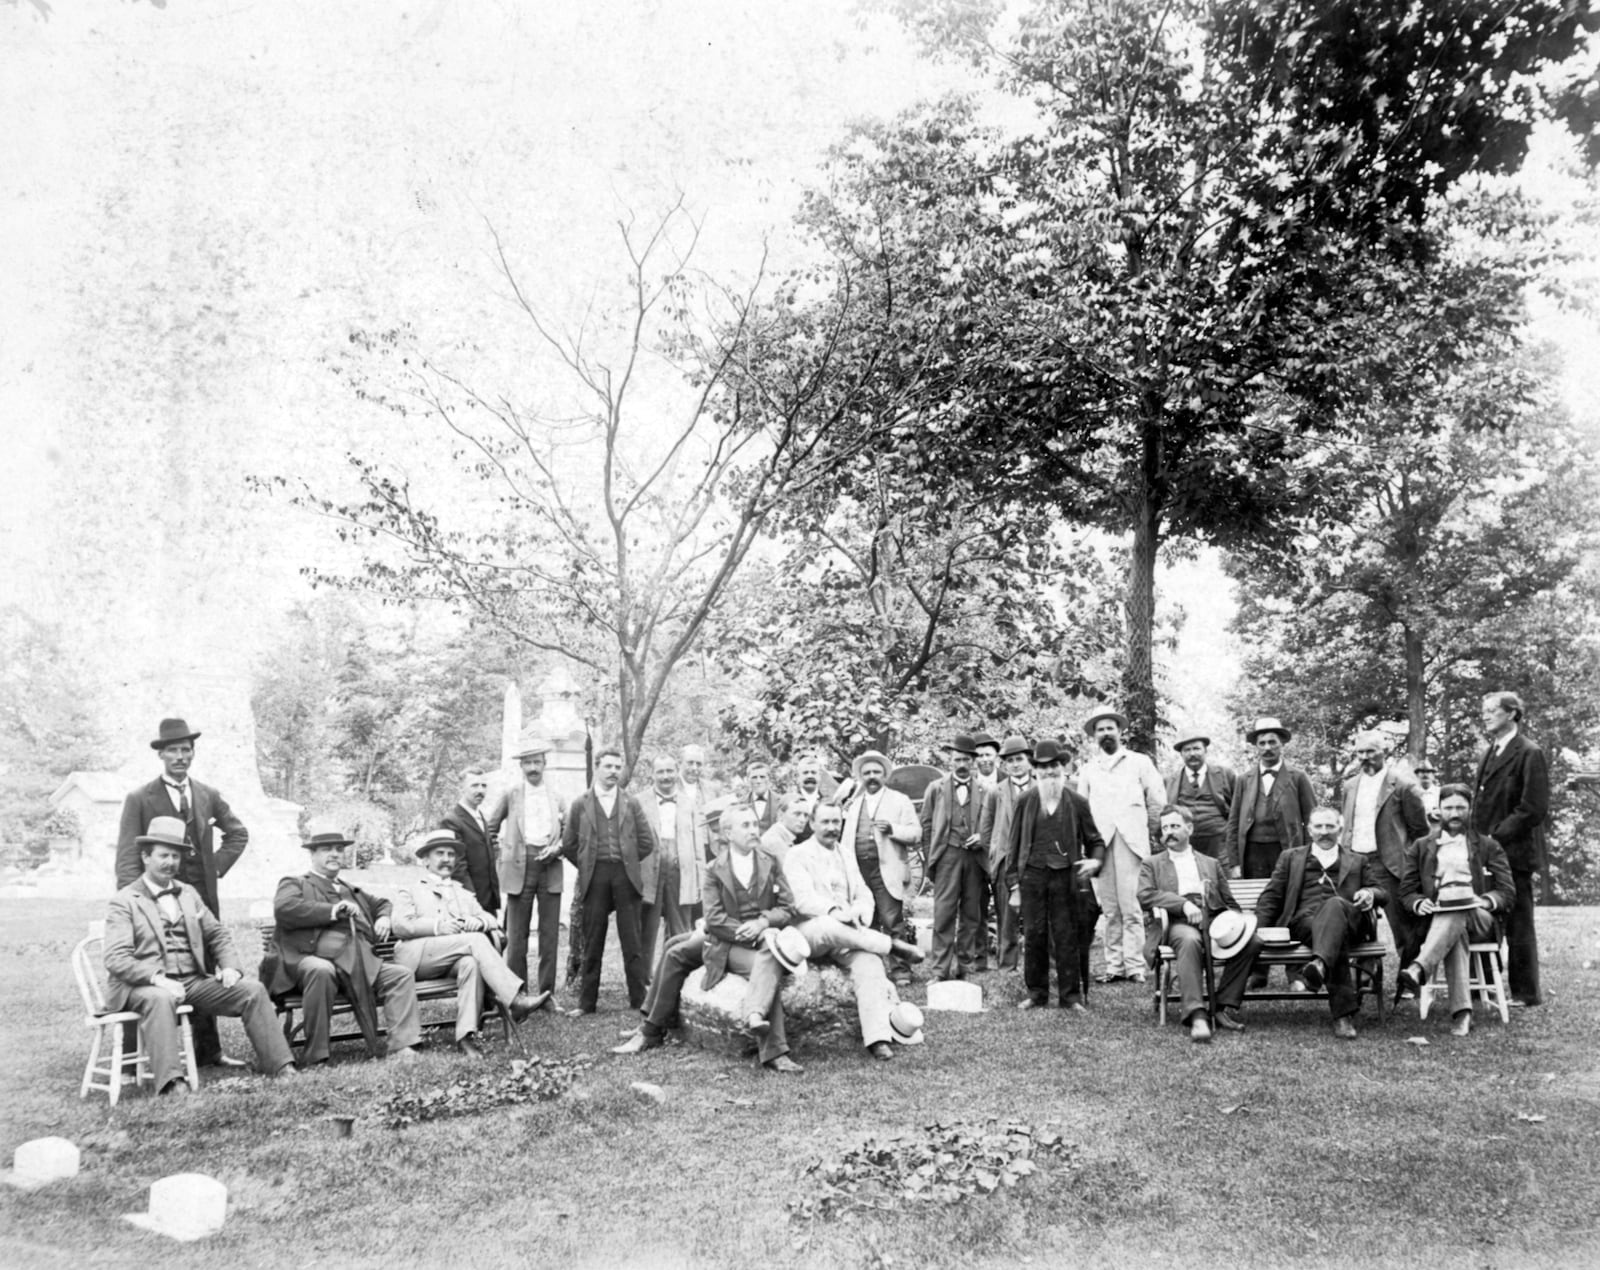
(166, 890)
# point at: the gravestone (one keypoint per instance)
(42, 1161)
(185, 1206)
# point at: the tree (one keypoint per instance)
(1153, 297)
(620, 531)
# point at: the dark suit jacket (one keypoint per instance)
(1401, 818)
(134, 939)
(210, 811)
(1512, 801)
(1280, 898)
(303, 909)
(475, 865)
(1221, 784)
(772, 897)
(1158, 892)
(1083, 839)
(1491, 873)
(1293, 798)
(580, 838)
(938, 802)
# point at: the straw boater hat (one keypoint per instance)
(531, 744)
(1266, 723)
(1121, 719)
(439, 838)
(164, 831)
(1230, 931)
(170, 732)
(790, 947)
(905, 1024)
(868, 756)
(1189, 740)
(327, 840)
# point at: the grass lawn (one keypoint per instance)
(1279, 1147)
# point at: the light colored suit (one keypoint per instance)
(419, 920)
(526, 886)
(905, 831)
(838, 928)
(1125, 794)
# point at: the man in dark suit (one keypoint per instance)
(1271, 804)
(326, 928)
(204, 812)
(607, 836)
(994, 828)
(1191, 889)
(1382, 814)
(763, 798)
(475, 864)
(164, 948)
(1510, 804)
(1205, 789)
(951, 810)
(1326, 896)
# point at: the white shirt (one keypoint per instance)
(1500, 745)
(1188, 872)
(536, 827)
(177, 793)
(668, 827)
(743, 864)
(1363, 828)
(1326, 859)
(1269, 776)
(1195, 775)
(477, 815)
(608, 799)
(1453, 862)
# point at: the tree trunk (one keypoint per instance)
(1138, 675)
(1416, 695)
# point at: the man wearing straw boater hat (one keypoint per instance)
(1205, 788)
(527, 821)
(879, 825)
(204, 813)
(326, 929)
(444, 932)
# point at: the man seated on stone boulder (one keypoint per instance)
(836, 907)
(1192, 889)
(444, 932)
(1325, 894)
(745, 895)
(164, 948)
(326, 929)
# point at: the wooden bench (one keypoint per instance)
(289, 1005)
(1365, 958)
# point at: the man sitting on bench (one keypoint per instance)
(1325, 895)
(444, 932)
(1191, 889)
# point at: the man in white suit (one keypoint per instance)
(442, 930)
(1125, 795)
(527, 821)
(879, 825)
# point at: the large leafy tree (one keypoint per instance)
(1207, 234)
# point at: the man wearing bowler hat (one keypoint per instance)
(443, 931)
(879, 825)
(994, 828)
(527, 821)
(958, 864)
(986, 763)
(326, 929)
(204, 813)
(1055, 850)
(1125, 795)
(1192, 890)
(1205, 788)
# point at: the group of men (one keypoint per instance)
(759, 883)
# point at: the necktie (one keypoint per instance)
(1194, 781)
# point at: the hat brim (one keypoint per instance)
(149, 839)
(871, 756)
(1226, 954)
(328, 842)
(1190, 740)
(1088, 724)
(427, 848)
(1255, 733)
(174, 740)
(916, 1038)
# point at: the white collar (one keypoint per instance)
(1501, 743)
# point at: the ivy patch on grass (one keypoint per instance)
(537, 1080)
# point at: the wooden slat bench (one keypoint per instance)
(1366, 961)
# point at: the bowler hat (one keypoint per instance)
(1190, 740)
(905, 1023)
(531, 744)
(1047, 752)
(875, 756)
(438, 838)
(171, 732)
(1266, 723)
(964, 744)
(1230, 931)
(1121, 720)
(327, 840)
(790, 947)
(1013, 745)
(166, 831)
(981, 739)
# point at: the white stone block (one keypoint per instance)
(42, 1161)
(185, 1206)
(957, 995)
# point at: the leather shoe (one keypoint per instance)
(783, 1063)
(1344, 1028)
(1199, 1030)
(1075, 1007)
(1229, 1020)
(757, 1025)
(881, 1049)
(1412, 978)
(907, 952)
(472, 1045)
(638, 1043)
(525, 1003)
(177, 1089)
(222, 1060)
(1462, 1026)
(1315, 974)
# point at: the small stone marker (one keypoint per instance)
(42, 1161)
(957, 995)
(644, 1091)
(185, 1206)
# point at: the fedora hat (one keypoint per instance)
(334, 839)
(166, 831)
(1121, 720)
(1266, 723)
(790, 947)
(1013, 745)
(1047, 752)
(1190, 740)
(438, 838)
(905, 1023)
(963, 744)
(1230, 931)
(529, 743)
(865, 756)
(170, 732)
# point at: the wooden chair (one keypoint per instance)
(1486, 979)
(105, 1071)
(1167, 975)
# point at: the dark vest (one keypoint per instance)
(1317, 886)
(1050, 848)
(610, 847)
(961, 818)
(1208, 820)
(1264, 827)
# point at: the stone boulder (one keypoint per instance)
(819, 1007)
